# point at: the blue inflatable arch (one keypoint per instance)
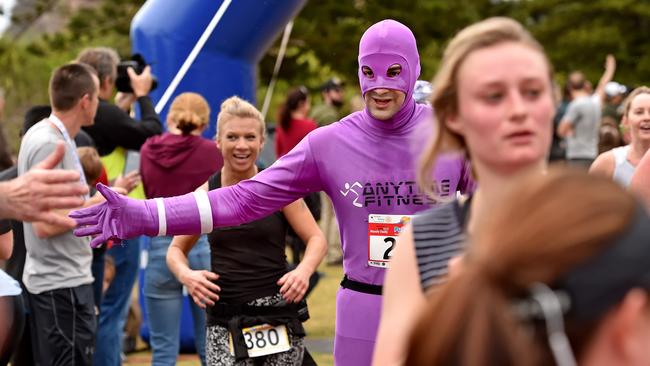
(166, 31)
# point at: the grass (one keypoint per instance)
(322, 310)
(323, 359)
(322, 303)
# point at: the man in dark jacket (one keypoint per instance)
(113, 126)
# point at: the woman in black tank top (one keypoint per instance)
(248, 277)
(493, 102)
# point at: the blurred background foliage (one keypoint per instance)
(324, 41)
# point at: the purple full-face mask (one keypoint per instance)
(385, 44)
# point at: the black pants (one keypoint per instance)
(63, 326)
(97, 268)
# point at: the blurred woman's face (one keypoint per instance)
(638, 118)
(240, 141)
(505, 106)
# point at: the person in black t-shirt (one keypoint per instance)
(250, 258)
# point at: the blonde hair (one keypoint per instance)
(486, 33)
(235, 107)
(189, 111)
(627, 104)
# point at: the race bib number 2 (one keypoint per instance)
(262, 340)
(383, 231)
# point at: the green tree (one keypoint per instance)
(325, 38)
(28, 61)
(575, 34)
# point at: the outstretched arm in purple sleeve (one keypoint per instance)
(120, 217)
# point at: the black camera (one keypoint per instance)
(123, 82)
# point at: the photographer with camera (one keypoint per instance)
(113, 126)
(115, 132)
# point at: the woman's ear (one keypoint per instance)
(454, 124)
(262, 144)
(624, 121)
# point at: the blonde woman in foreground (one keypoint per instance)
(493, 102)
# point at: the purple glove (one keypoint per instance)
(116, 219)
(122, 218)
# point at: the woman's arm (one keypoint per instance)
(294, 284)
(199, 283)
(603, 165)
(402, 299)
(641, 180)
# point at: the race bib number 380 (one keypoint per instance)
(383, 231)
(262, 340)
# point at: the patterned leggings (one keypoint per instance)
(217, 351)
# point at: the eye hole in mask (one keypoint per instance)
(367, 72)
(394, 70)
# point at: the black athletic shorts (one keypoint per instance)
(63, 324)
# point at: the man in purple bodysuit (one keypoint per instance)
(366, 163)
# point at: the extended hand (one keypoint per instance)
(124, 100)
(116, 219)
(201, 287)
(33, 195)
(128, 182)
(141, 84)
(294, 284)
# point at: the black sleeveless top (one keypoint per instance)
(439, 234)
(249, 258)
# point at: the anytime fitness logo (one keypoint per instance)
(353, 188)
(401, 193)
